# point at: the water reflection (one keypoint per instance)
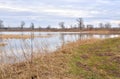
(18, 50)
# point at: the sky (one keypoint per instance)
(50, 12)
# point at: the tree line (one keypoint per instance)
(80, 26)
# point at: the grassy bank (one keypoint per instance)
(99, 60)
(88, 59)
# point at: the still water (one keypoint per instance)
(17, 50)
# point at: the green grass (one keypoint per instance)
(99, 60)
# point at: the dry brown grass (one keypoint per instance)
(3, 44)
(20, 36)
(45, 66)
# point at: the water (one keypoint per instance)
(17, 50)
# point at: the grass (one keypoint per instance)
(20, 36)
(87, 59)
(99, 60)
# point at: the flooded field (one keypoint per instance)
(19, 46)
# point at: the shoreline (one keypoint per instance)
(79, 31)
(76, 60)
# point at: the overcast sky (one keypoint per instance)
(50, 12)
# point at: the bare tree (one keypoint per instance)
(89, 27)
(1, 24)
(48, 27)
(32, 26)
(71, 26)
(101, 25)
(108, 26)
(22, 24)
(32, 37)
(75, 26)
(62, 25)
(119, 26)
(80, 23)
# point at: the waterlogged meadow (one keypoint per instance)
(21, 46)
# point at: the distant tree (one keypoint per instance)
(80, 23)
(119, 26)
(62, 25)
(108, 26)
(32, 26)
(89, 27)
(101, 25)
(39, 27)
(71, 26)
(1, 24)
(75, 26)
(22, 24)
(48, 27)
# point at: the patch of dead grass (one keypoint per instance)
(24, 36)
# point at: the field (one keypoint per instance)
(86, 59)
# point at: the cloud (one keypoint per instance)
(104, 1)
(60, 10)
(51, 10)
(13, 8)
(71, 0)
(115, 21)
